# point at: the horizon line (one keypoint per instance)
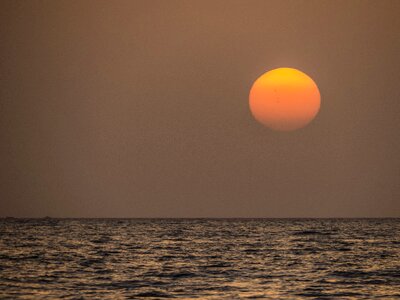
(193, 218)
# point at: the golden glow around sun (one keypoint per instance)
(284, 99)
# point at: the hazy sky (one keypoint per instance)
(140, 109)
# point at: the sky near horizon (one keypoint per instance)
(140, 109)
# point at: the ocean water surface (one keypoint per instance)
(200, 258)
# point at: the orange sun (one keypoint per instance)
(284, 99)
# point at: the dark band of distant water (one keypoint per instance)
(202, 259)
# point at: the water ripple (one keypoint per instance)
(203, 259)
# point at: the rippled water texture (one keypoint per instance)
(205, 259)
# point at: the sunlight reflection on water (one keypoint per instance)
(207, 259)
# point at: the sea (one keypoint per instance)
(199, 258)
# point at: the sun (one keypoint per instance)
(284, 99)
